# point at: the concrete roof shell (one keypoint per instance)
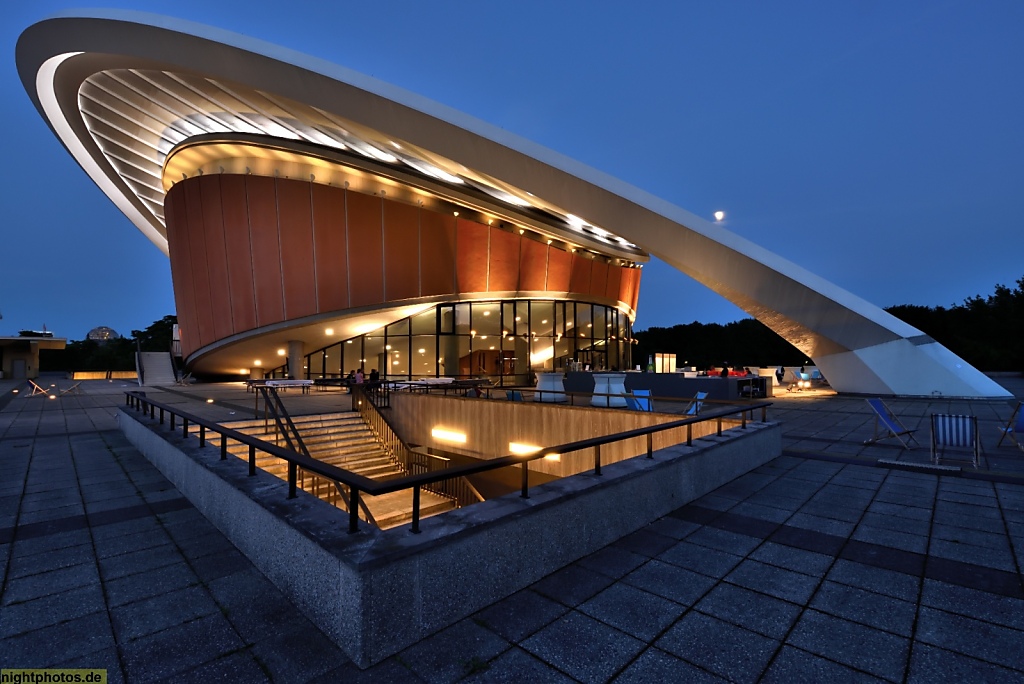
(859, 347)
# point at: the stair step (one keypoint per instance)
(342, 440)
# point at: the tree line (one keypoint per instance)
(987, 332)
(117, 354)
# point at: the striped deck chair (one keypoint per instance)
(1014, 427)
(958, 432)
(893, 428)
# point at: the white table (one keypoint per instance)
(609, 383)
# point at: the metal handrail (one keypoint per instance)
(367, 401)
(358, 484)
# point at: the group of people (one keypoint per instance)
(356, 377)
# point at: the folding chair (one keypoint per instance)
(1014, 427)
(894, 429)
(799, 382)
(641, 400)
(71, 390)
(514, 395)
(36, 389)
(696, 404)
(960, 432)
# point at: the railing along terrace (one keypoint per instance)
(530, 394)
(359, 484)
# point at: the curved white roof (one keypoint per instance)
(122, 89)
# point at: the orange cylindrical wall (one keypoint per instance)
(251, 251)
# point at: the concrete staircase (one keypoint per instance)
(157, 369)
(343, 440)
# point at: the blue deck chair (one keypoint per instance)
(958, 432)
(799, 382)
(514, 395)
(894, 429)
(643, 400)
(1014, 427)
(631, 402)
(694, 407)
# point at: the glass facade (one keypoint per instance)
(506, 342)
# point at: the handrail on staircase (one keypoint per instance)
(286, 427)
(367, 401)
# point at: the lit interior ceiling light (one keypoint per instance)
(280, 352)
(329, 331)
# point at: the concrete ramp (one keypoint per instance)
(157, 369)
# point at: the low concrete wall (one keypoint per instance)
(377, 592)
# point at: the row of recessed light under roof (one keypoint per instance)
(179, 106)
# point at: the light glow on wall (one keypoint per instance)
(543, 355)
(446, 435)
(520, 449)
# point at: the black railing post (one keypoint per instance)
(416, 509)
(223, 447)
(161, 415)
(719, 421)
(526, 481)
(689, 434)
(597, 459)
(764, 414)
(743, 420)
(202, 435)
(172, 420)
(252, 460)
(184, 426)
(650, 445)
(353, 510)
(292, 477)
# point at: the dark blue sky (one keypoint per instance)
(878, 144)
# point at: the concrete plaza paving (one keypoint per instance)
(819, 565)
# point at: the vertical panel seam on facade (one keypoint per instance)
(487, 273)
(252, 262)
(383, 250)
(280, 247)
(547, 264)
(227, 254)
(419, 250)
(348, 251)
(312, 233)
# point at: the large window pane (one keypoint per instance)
(425, 323)
(463, 319)
(508, 317)
(398, 328)
(373, 354)
(353, 353)
(424, 356)
(487, 318)
(542, 319)
(584, 321)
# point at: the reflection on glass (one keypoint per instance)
(484, 340)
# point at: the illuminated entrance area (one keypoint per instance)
(502, 341)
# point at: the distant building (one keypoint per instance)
(102, 334)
